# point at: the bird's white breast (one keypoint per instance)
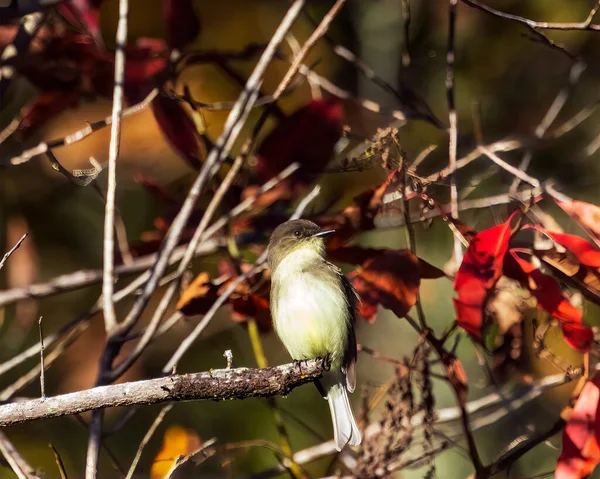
(311, 313)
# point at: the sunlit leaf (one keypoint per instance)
(177, 441)
(580, 451)
(389, 278)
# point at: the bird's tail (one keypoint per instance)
(345, 429)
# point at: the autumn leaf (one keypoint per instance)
(586, 214)
(177, 441)
(390, 278)
(247, 300)
(478, 273)
(199, 296)
(308, 137)
(86, 13)
(359, 217)
(43, 108)
(181, 23)
(583, 250)
(550, 298)
(581, 438)
(179, 129)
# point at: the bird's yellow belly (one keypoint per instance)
(311, 319)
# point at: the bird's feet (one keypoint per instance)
(298, 363)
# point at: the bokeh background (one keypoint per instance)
(504, 77)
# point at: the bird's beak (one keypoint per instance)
(324, 233)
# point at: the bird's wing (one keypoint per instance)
(351, 352)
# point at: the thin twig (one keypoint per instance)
(42, 366)
(12, 250)
(79, 135)
(585, 25)
(159, 419)
(314, 37)
(453, 122)
(516, 172)
(59, 462)
(181, 460)
(406, 17)
(577, 68)
(108, 280)
(19, 466)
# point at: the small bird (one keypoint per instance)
(313, 306)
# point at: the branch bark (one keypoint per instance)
(220, 384)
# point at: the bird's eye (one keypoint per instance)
(297, 233)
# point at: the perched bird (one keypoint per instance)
(313, 306)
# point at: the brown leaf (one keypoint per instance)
(177, 441)
(199, 296)
(390, 278)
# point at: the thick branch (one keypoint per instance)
(220, 384)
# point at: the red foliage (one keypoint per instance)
(390, 278)
(307, 136)
(586, 214)
(478, 273)
(44, 107)
(581, 439)
(179, 129)
(550, 298)
(85, 12)
(585, 252)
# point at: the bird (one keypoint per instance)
(313, 306)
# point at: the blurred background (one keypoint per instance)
(506, 80)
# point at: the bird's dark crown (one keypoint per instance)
(291, 235)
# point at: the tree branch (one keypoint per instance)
(220, 384)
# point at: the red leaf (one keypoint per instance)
(550, 298)
(586, 214)
(585, 252)
(46, 106)
(390, 278)
(179, 129)
(85, 12)
(145, 62)
(308, 136)
(478, 273)
(580, 446)
(182, 25)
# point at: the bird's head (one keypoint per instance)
(297, 241)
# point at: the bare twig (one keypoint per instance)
(585, 25)
(79, 135)
(159, 419)
(42, 367)
(12, 250)
(577, 68)
(406, 17)
(516, 172)
(453, 122)
(19, 466)
(83, 278)
(181, 460)
(59, 463)
(238, 383)
(314, 37)
(108, 280)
